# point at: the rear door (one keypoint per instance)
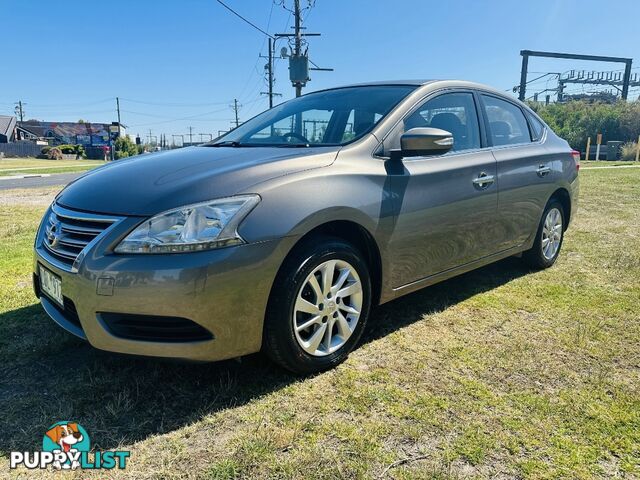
(447, 203)
(525, 170)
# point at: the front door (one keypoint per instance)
(447, 204)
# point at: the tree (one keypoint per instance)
(577, 120)
(124, 147)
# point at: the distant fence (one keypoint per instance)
(20, 149)
(29, 149)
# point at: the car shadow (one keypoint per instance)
(408, 309)
(47, 375)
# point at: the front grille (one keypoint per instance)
(68, 232)
(154, 328)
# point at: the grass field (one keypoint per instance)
(601, 163)
(499, 373)
(20, 166)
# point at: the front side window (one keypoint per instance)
(331, 117)
(507, 124)
(454, 112)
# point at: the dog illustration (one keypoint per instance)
(66, 436)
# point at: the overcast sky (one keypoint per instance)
(176, 64)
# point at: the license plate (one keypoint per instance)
(51, 284)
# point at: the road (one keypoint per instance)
(35, 182)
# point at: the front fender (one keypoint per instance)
(295, 204)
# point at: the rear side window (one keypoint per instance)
(453, 112)
(507, 124)
(537, 128)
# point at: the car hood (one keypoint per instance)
(149, 184)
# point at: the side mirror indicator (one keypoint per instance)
(425, 141)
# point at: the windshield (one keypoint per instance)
(331, 117)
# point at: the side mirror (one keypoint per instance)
(418, 142)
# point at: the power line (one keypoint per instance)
(243, 18)
(166, 116)
(625, 80)
(254, 70)
(173, 104)
(194, 118)
(71, 105)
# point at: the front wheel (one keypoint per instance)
(319, 306)
(549, 237)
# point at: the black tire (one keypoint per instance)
(535, 256)
(279, 338)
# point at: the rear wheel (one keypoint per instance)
(549, 237)
(319, 306)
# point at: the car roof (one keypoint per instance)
(444, 83)
(416, 82)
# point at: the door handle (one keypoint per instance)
(543, 170)
(483, 181)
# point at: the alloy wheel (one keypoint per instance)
(327, 307)
(551, 233)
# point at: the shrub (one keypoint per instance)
(67, 149)
(124, 148)
(54, 154)
(71, 149)
(45, 150)
(629, 150)
(77, 150)
(577, 120)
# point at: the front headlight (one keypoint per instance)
(191, 228)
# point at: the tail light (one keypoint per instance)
(576, 158)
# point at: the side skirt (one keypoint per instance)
(453, 272)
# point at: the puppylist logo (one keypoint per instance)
(66, 445)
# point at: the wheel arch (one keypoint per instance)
(562, 196)
(355, 234)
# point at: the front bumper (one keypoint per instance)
(223, 292)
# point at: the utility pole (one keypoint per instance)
(270, 75)
(20, 110)
(298, 60)
(236, 107)
(190, 136)
(270, 72)
(150, 136)
(298, 42)
(118, 110)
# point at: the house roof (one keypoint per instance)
(7, 124)
(32, 129)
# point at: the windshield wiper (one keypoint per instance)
(226, 143)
